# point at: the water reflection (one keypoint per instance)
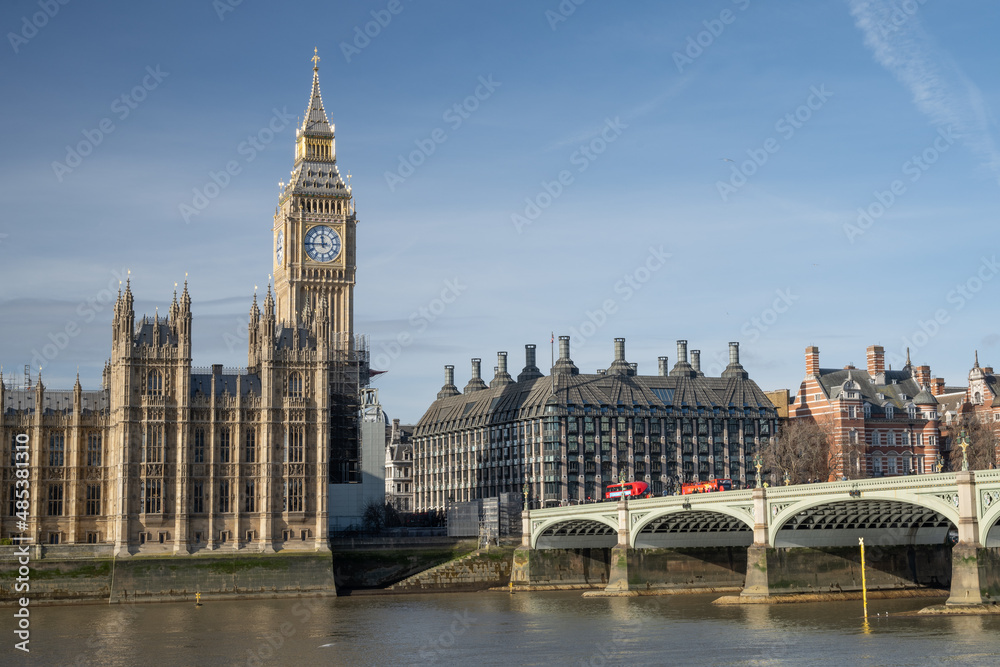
(501, 629)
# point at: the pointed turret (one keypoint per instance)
(185, 298)
(253, 334)
(183, 329)
(174, 308)
(315, 122)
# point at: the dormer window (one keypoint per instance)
(889, 412)
(868, 411)
(912, 411)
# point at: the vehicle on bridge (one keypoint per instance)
(707, 486)
(625, 490)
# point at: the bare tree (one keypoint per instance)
(983, 442)
(801, 451)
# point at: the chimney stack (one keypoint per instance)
(922, 374)
(937, 386)
(664, 366)
(449, 388)
(812, 360)
(619, 365)
(501, 377)
(696, 361)
(682, 351)
(530, 371)
(876, 363)
(476, 381)
(564, 364)
(734, 370)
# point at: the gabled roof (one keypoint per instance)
(897, 384)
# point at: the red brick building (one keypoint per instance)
(882, 422)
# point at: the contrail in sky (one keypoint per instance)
(940, 88)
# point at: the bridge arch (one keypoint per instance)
(989, 525)
(883, 519)
(676, 527)
(591, 531)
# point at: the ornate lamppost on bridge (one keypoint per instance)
(758, 464)
(787, 480)
(963, 442)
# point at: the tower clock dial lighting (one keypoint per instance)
(279, 250)
(322, 243)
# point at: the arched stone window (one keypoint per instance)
(154, 383)
(295, 385)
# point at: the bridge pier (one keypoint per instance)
(520, 572)
(618, 566)
(756, 584)
(966, 586)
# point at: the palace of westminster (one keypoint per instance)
(170, 458)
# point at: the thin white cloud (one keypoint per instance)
(940, 88)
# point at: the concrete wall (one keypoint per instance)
(806, 570)
(561, 567)
(147, 579)
(989, 573)
(706, 567)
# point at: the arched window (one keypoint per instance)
(977, 398)
(154, 383)
(295, 385)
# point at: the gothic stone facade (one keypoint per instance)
(563, 438)
(167, 458)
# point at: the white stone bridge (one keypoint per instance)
(888, 511)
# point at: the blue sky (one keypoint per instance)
(779, 174)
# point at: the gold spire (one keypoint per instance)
(315, 59)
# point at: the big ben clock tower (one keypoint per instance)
(314, 228)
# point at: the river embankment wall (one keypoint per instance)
(163, 578)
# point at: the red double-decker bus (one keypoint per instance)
(626, 490)
(709, 486)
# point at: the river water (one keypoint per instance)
(545, 628)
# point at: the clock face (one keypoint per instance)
(279, 251)
(322, 243)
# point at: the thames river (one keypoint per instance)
(552, 628)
